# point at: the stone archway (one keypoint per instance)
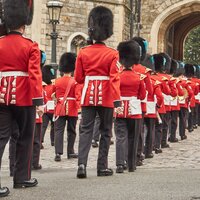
(170, 28)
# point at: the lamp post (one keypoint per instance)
(54, 10)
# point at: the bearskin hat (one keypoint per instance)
(129, 53)
(18, 13)
(144, 46)
(167, 65)
(197, 71)
(100, 23)
(174, 66)
(67, 62)
(159, 62)
(48, 73)
(180, 69)
(189, 70)
(43, 58)
(149, 62)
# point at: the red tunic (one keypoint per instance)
(197, 82)
(147, 80)
(131, 85)
(48, 91)
(164, 88)
(155, 97)
(171, 81)
(188, 94)
(194, 87)
(180, 93)
(97, 69)
(20, 74)
(71, 105)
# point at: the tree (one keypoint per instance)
(192, 47)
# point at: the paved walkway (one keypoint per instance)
(174, 174)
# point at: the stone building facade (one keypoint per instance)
(165, 24)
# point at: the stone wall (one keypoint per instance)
(74, 19)
(156, 18)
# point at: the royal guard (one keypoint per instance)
(154, 101)
(129, 116)
(160, 63)
(66, 109)
(196, 80)
(48, 75)
(189, 73)
(174, 102)
(167, 98)
(97, 68)
(21, 88)
(184, 99)
(139, 68)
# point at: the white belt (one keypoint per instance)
(91, 78)
(128, 98)
(13, 73)
(68, 98)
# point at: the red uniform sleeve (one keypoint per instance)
(180, 89)
(189, 90)
(142, 91)
(78, 92)
(196, 89)
(172, 85)
(79, 74)
(114, 79)
(165, 88)
(159, 96)
(35, 75)
(148, 84)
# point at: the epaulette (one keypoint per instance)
(27, 38)
(172, 78)
(142, 76)
(157, 82)
(119, 66)
(43, 83)
(53, 81)
(164, 79)
(147, 70)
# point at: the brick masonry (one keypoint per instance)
(74, 19)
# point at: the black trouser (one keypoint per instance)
(37, 144)
(166, 120)
(46, 118)
(174, 123)
(182, 120)
(199, 115)
(59, 125)
(87, 125)
(196, 114)
(150, 136)
(96, 131)
(127, 128)
(158, 131)
(191, 118)
(12, 146)
(140, 148)
(25, 119)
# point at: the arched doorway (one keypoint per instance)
(171, 27)
(76, 41)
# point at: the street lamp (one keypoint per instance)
(54, 10)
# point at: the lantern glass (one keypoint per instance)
(54, 8)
